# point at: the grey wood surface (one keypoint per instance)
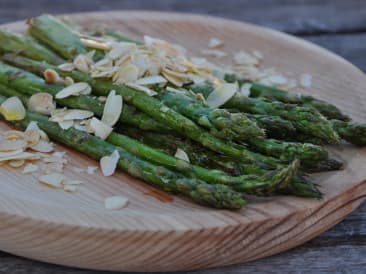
(338, 25)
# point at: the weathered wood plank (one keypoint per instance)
(295, 16)
(339, 259)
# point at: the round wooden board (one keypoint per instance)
(158, 232)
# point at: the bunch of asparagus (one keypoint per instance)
(262, 144)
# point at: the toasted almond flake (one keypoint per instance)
(245, 89)
(91, 169)
(99, 128)
(115, 202)
(172, 77)
(41, 102)
(44, 136)
(214, 53)
(80, 127)
(74, 90)
(16, 163)
(51, 76)
(68, 81)
(10, 153)
(120, 49)
(67, 67)
(215, 43)
(30, 168)
(108, 164)
(14, 135)
(306, 80)
(91, 43)
(43, 146)
(12, 109)
(33, 125)
(53, 180)
(151, 80)
(66, 124)
(70, 188)
(245, 58)
(181, 154)
(221, 94)
(32, 136)
(144, 89)
(82, 62)
(77, 114)
(112, 109)
(128, 73)
(11, 145)
(53, 159)
(21, 156)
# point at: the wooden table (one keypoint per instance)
(337, 25)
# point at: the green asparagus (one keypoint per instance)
(275, 94)
(355, 133)
(219, 196)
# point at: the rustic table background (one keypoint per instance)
(338, 25)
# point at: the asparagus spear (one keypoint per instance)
(305, 120)
(147, 104)
(247, 183)
(274, 126)
(27, 46)
(275, 94)
(31, 84)
(219, 196)
(219, 122)
(201, 156)
(355, 133)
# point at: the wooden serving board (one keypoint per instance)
(159, 232)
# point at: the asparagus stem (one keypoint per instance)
(219, 196)
(147, 104)
(305, 120)
(219, 122)
(30, 84)
(355, 133)
(247, 183)
(275, 94)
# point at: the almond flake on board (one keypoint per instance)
(108, 164)
(115, 202)
(91, 169)
(30, 168)
(70, 188)
(52, 180)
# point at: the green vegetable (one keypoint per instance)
(218, 196)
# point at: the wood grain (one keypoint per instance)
(75, 229)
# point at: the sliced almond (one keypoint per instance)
(108, 164)
(32, 136)
(53, 180)
(176, 78)
(115, 202)
(66, 124)
(68, 81)
(181, 154)
(221, 95)
(11, 145)
(151, 80)
(81, 62)
(41, 102)
(77, 114)
(144, 89)
(53, 167)
(112, 109)
(74, 90)
(10, 153)
(70, 188)
(12, 109)
(43, 146)
(215, 43)
(51, 76)
(14, 135)
(21, 156)
(67, 67)
(30, 168)
(245, 89)
(16, 163)
(99, 128)
(126, 74)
